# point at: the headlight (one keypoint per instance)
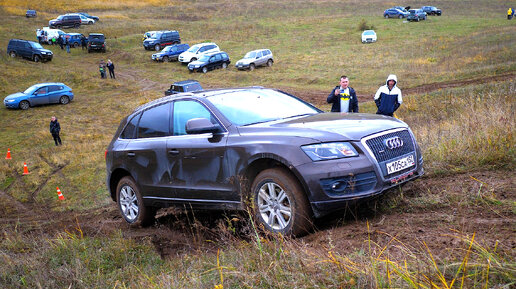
(329, 151)
(11, 100)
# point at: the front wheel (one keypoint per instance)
(251, 67)
(224, 65)
(386, 16)
(166, 59)
(24, 105)
(130, 204)
(400, 16)
(204, 69)
(280, 204)
(37, 58)
(12, 54)
(64, 99)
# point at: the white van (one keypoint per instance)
(47, 34)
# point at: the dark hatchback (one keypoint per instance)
(226, 149)
(209, 62)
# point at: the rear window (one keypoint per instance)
(53, 88)
(155, 122)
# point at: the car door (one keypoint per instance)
(26, 50)
(145, 155)
(260, 58)
(54, 93)
(40, 96)
(212, 63)
(198, 168)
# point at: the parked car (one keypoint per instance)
(194, 52)
(395, 13)
(28, 49)
(431, 10)
(31, 13)
(228, 149)
(255, 58)
(75, 39)
(183, 86)
(84, 20)
(96, 41)
(47, 35)
(170, 52)
(210, 61)
(39, 94)
(402, 8)
(369, 36)
(63, 21)
(96, 18)
(416, 15)
(161, 39)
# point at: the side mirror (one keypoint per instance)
(201, 125)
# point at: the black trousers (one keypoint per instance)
(112, 73)
(57, 139)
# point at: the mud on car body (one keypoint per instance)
(218, 149)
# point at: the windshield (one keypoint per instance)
(204, 58)
(368, 32)
(31, 89)
(193, 49)
(156, 35)
(256, 106)
(60, 17)
(251, 54)
(36, 45)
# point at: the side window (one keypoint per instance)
(54, 88)
(42, 90)
(155, 122)
(26, 45)
(203, 49)
(130, 128)
(186, 110)
(258, 54)
(218, 57)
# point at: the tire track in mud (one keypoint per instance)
(55, 170)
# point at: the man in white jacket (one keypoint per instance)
(388, 97)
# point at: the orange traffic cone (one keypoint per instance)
(59, 194)
(8, 156)
(25, 169)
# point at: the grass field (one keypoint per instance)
(466, 132)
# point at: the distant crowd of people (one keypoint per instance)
(388, 99)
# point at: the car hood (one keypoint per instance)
(197, 62)
(45, 50)
(149, 40)
(53, 20)
(326, 127)
(245, 60)
(15, 95)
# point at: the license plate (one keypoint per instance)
(400, 164)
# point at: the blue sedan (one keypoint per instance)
(39, 94)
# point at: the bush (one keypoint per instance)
(364, 26)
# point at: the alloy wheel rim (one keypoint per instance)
(129, 203)
(274, 206)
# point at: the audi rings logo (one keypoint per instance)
(393, 142)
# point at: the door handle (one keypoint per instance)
(131, 154)
(173, 152)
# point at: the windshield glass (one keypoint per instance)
(60, 17)
(193, 49)
(204, 58)
(368, 32)
(31, 89)
(36, 45)
(256, 106)
(156, 35)
(251, 54)
(167, 49)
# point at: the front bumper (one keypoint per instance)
(242, 65)
(14, 104)
(47, 57)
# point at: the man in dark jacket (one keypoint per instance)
(55, 128)
(388, 97)
(343, 98)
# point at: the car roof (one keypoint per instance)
(195, 94)
(73, 33)
(95, 34)
(183, 82)
(48, 83)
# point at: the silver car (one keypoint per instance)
(255, 58)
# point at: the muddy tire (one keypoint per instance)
(157, 47)
(280, 204)
(37, 58)
(12, 54)
(166, 59)
(251, 67)
(204, 69)
(269, 62)
(24, 105)
(224, 65)
(130, 204)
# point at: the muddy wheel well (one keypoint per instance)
(115, 178)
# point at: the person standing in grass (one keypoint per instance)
(510, 13)
(67, 42)
(111, 68)
(55, 129)
(102, 69)
(343, 97)
(60, 41)
(83, 42)
(388, 97)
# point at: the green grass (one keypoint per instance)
(460, 130)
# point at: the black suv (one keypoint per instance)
(96, 41)
(229, 149)
(28, 49)
(184, 86)
(64, 21)
(210, 61)
(161, 39)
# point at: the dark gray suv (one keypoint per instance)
(258, 147)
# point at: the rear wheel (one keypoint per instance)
(400, 16)
(76, 25)
(64, 99)
(251, 67)
(24, 105)
(280, 204)
(269, 62)
(76, 45)
(37, 58)
(130, 204)
(386, 16)
(12, 54)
